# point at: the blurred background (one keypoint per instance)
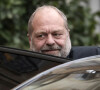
(83, 19)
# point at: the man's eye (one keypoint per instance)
(57, 35)
(41, 36)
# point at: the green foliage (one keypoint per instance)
(13, 26)
(14, 15)
(82, 24)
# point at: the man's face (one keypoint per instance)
(50, 35)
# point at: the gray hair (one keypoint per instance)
(30, 30)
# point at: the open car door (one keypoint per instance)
(18, 65)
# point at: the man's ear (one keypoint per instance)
(68, 31)
(29, 38)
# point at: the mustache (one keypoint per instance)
(53, 47)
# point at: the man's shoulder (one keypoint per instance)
(83, 51)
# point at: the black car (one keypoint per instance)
(17, 66)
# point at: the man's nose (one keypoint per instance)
(50, 40)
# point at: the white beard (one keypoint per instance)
(64, 51)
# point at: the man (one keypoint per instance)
(48, 33)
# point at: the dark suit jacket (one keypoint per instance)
(78, 52)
